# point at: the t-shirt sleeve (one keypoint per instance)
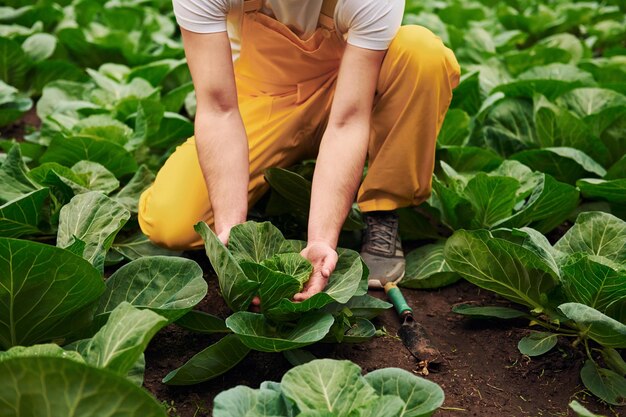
(369, 24)
(202, 16)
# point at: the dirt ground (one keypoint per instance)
(26, 124)
(483, 374)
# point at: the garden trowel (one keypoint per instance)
(412, 334)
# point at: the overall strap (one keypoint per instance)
(252, 5)
(327, 14)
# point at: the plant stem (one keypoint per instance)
(554, 328)
(587, 349)
(566, 334)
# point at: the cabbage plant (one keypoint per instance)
(259, 261)
(46, 377)
(512, 195)
(12, 104)
(327, 387)
(575, 289)
(50, 294)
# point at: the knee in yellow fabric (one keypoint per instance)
(171, 236)
(423, 50)
(164, 226)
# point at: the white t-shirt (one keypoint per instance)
(369, 24)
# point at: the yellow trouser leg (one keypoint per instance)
(176, 201)
(413, 94)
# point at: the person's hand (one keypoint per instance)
(324, 258)
(224, 235)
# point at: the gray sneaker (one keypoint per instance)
(382, 250)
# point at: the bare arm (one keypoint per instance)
(220, 135)
(340, 161)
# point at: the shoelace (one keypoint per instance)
(381, 233)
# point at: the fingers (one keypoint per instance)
(329, 264)
(316, 284)
(324, 260)
(223, 237)
(255, 306)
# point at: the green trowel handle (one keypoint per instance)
(397, 299)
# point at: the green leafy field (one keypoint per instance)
(528, 201)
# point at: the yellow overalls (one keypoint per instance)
(285, 87)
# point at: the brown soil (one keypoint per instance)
(483, 375)
(26, 124)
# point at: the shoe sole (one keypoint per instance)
(374, 284)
